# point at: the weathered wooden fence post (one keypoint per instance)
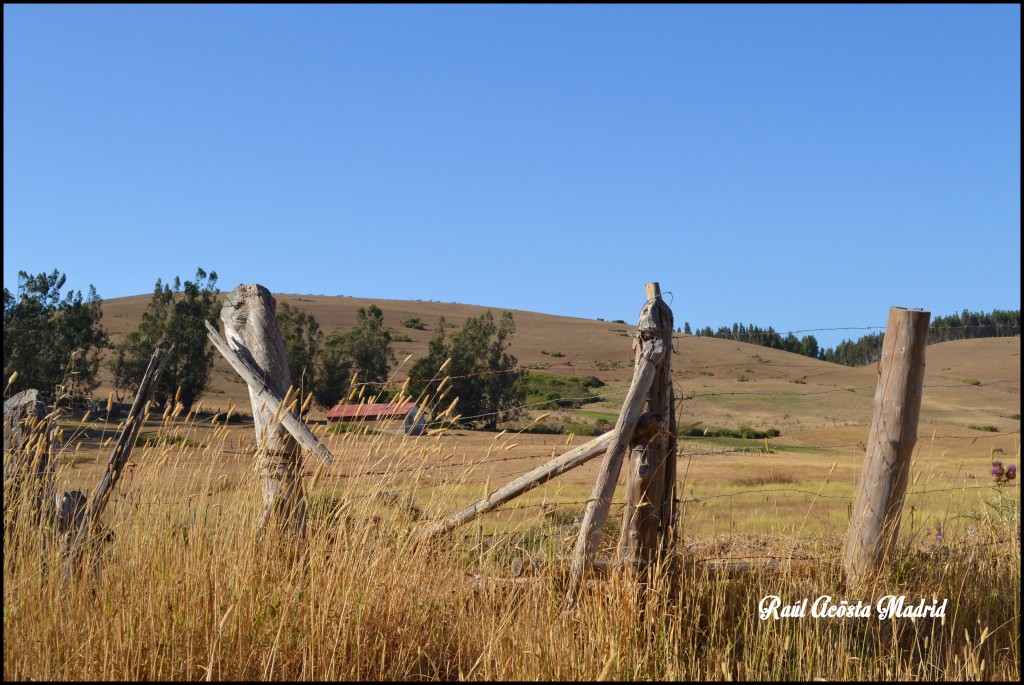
(251, 329)
(648, 519)
(897, 406)
(651, 350)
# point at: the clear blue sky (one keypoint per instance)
(799, 167)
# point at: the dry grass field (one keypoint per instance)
(185, 590)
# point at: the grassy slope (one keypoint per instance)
(702, 366)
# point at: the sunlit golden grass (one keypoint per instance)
(186, 591)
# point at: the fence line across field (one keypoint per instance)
(652, 342)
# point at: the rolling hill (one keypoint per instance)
(722, 383)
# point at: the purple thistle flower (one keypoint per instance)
(997, 472)
(997, 464)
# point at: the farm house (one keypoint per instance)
(413, 419)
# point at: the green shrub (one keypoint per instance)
(580, 428)
(542, 429)
(414, 323)
(743, 432)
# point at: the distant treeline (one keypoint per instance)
(867, 348)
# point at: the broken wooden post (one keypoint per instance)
(650, 351)
(647, 425)
(897, 406)
(251, 329)
(73, 519)
(648, 519)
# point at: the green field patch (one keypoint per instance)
(608, 416)
(756, 444)
(791, 402)
(343, 427)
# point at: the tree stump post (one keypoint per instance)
(251, 329)
(648, 518)
(897, 406)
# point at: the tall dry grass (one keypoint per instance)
(186, 591)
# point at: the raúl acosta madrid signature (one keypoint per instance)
(824, 606)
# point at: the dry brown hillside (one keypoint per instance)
(723, 383)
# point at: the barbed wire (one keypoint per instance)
(947, 549)
(699, 332)
(844, 388)
(909, 493)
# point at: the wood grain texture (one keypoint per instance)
(251, 374)
(647, 517)
(897, 405)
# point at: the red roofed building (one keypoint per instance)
(414, 422)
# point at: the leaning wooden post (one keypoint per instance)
(250, 326)
(80, 522)
(648, 523)
(650, 351)
(897, 406)
(646, 426)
